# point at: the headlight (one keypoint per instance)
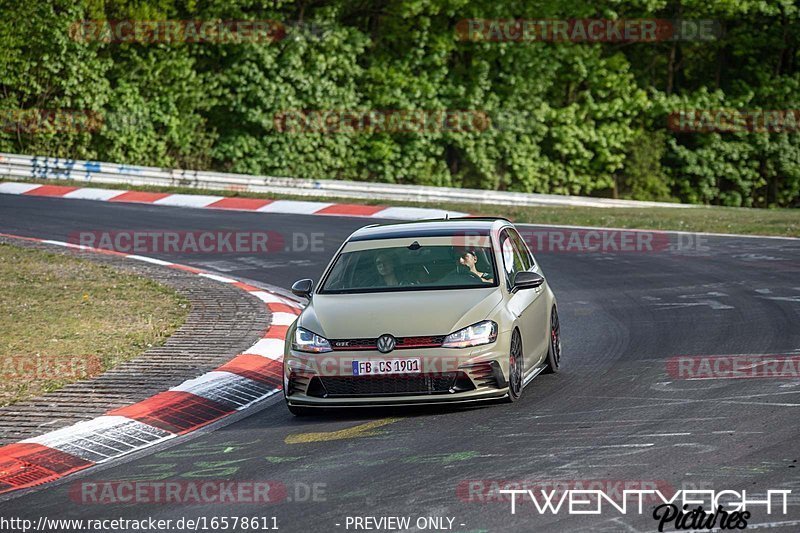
(481, 333)
(306, 341)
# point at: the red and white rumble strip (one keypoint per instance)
(295, 207)
(247, 378)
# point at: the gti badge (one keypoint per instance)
(386, 343)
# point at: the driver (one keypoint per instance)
(384, 264)
(470, 260)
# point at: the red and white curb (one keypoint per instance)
(295, 207)
(246, 379)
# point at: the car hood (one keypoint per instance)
(411, 313)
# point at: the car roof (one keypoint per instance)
(430, 228)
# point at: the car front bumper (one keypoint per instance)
(447, 376)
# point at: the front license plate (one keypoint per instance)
(374, 367)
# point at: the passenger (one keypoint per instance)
(470, 260)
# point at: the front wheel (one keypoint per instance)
(515, 367)
(554, 348)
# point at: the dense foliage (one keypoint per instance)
(565, 117)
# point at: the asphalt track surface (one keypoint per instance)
(614, 413)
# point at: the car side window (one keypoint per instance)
(525, 255)
(512, 259)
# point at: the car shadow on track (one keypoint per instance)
(372, 413)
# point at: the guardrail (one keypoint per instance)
(13, 166)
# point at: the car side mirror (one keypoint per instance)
(303, 288)
(527, 280)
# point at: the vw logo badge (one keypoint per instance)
(386, 343)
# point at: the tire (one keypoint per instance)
(515, 368)
(296, 410)
(554, 347)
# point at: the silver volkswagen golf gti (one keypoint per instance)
(422, 312)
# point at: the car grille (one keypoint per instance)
(354, 344)
(390, 385)
(425, 341)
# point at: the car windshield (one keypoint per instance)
(409, 268)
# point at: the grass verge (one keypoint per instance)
(66, 319)
(746, 221)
